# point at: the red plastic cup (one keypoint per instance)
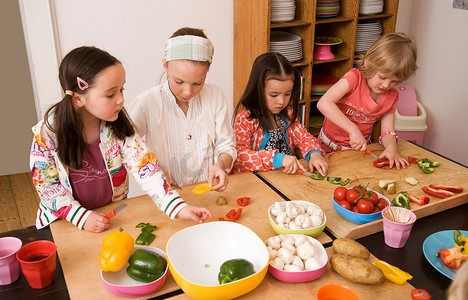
(9, 265)
(37, 261)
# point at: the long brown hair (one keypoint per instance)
(86, 63)
(270, 65)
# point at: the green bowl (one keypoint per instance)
(313, 231)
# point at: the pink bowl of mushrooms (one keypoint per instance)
(296, 257)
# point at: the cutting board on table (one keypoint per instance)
(79, 250)
(359, 167)
(272, 288)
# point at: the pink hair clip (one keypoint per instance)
(81, 84)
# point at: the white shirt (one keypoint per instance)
(186, 146)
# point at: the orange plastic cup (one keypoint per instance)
(336, 292)
(37, 260)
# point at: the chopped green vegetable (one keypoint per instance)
(427, 166)
(402, 200)
(316, 176)
(146, 236)
(334, 180)
(345, 182)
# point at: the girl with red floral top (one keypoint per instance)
(267, 129)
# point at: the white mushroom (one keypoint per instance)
(277, 263)
(302, 208)
(286, 255)
(287, 240)
(307, 223)
(306, 250)
(290, 248)
(299, 239)
(297, 261)
(292, 211)
(274, 242)
(281, 218)
(292, 268)
(315, 220)
(276, 209)
(273, 252)
(312, 263)
(314, 210)
(293, 225)
(301, 218)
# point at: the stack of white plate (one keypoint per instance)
(370, 7)
(366, 35)
(282, 10)
(286, 43)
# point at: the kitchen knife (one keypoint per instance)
(113, 212)
(373, 155)
(304, 173)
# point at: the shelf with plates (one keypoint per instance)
(311, 19)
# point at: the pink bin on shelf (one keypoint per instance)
(410, 116)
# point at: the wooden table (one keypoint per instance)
(79, 250)
(358, 167)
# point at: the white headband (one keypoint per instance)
(188, 47)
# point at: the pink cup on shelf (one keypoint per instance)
(397, 225)
(9, 265)
(38, 263)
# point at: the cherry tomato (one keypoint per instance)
(345, 204)
(364, 206)
(374, 197)
(381, 203)
(355, 209)
(359, 188)
(340, 193)
(420, 294)
(351, 195)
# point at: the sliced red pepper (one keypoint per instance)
(412, 160)
(381, 164)
(222, 219)
(231, 213)
(243, 201)
(437, 193)
(238, 212)
(452, 258)
(450, 188)
(423, 200)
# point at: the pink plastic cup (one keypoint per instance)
(9, 265)
(37, 261)
(396, 234)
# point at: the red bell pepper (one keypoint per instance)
(381, 164)
(437, 193)
(243, 201)
(421, 200)
(232, 215)
(412, 160)
(450, 188)
(452, 258)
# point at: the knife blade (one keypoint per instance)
(304, 173)
(113, 212)
(373, 155)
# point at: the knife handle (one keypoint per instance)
(299, 171)
(110, 214)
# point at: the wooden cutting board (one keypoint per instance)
(79, 250)
(359, 168)
(272, 288)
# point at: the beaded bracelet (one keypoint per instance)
(386, 133)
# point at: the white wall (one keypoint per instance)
(441, 82)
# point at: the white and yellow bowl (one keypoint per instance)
(195, 254)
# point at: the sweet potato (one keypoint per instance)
(356, 269)
(351, 248)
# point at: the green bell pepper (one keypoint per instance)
(316, 176)
(235, 269)
(345, 182)
(334, 180)
(146, 236)
(402, 200)
(146, 266)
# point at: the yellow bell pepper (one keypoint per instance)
(461, 240)
(202, 188)
(392, 273)
(117, 247)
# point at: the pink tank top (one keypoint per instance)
(91, 184)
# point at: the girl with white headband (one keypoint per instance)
(184, 120)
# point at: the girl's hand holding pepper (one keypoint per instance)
(318, 162)
(394, 158)
(197, 214)
(96, 222)
(291, 164)
(218, 173)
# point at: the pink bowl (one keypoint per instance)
(119, 283)
(303, 276)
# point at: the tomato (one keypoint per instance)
(359, 188)
(381, 203)
(364, 206)
(345, 204)
(420, 294)
(340, 193)
(351, 195)
(374, 197)
(355, 209)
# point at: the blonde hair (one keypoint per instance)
(458, 289)
(393, 53)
